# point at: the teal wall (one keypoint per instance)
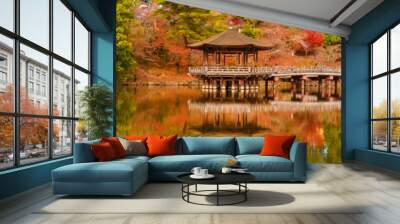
(355, 112)
(103, 66)
(356, 100)
(99, 15)
(24, 178)
(103, 53)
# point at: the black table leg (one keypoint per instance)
(182, 189)
(220, 193)
(188, 190)
(245, 193)
(217, 194)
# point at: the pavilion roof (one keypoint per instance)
(230, 38)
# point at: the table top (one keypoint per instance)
(220, 178)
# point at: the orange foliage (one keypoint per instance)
(164, 59)
(33, 130)
(313, 39)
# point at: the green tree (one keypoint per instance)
(124, 17)
(249, 28)
(191, 24)
(330, 39)
(97, 104)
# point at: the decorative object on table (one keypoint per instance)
(239, 195)
(231, 163)
(200, 173)
(196, 170)
(230, 170)
(202, 177)
(226, 170)
(240, 170)
(96, 103)
(203, 172)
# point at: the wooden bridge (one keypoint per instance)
(248, 78)
(231, 61)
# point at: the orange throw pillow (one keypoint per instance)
(277, 145)
(103, 152)
(161, 145)
(116, 145)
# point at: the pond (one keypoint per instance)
(313, 114)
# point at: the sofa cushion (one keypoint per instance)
(208, 145)
(134, 147)
(116, 145)
(103, 152)
(257, 163)
(161, 145)
(112, 171)
(133, 158)
(185, 163)
(83, 152)
(249, 145)
(275, 145)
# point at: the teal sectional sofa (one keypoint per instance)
(125, 176)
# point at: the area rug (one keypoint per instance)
(166, 198)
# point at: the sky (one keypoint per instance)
(35, 27)
(395, 45)
(380, 65)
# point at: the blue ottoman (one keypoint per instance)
(119, 177)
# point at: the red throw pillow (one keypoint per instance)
(116, 145)
(103, 152)
(277, 146)
(161, 145)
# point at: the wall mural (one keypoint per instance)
(195, 72)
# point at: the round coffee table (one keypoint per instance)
(238, 179)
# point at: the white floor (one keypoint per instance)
(377, 190)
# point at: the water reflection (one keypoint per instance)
(310, 115)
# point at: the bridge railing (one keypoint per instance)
(210, 70)
(220, 69)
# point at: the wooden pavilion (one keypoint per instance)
(230, 61)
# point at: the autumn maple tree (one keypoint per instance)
(33, 130)
(313, 39)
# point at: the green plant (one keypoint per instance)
(96, 103)
(124, 50)
(249, 28)
(331, 40)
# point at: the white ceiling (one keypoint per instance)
(321, 9)
(316, 15)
